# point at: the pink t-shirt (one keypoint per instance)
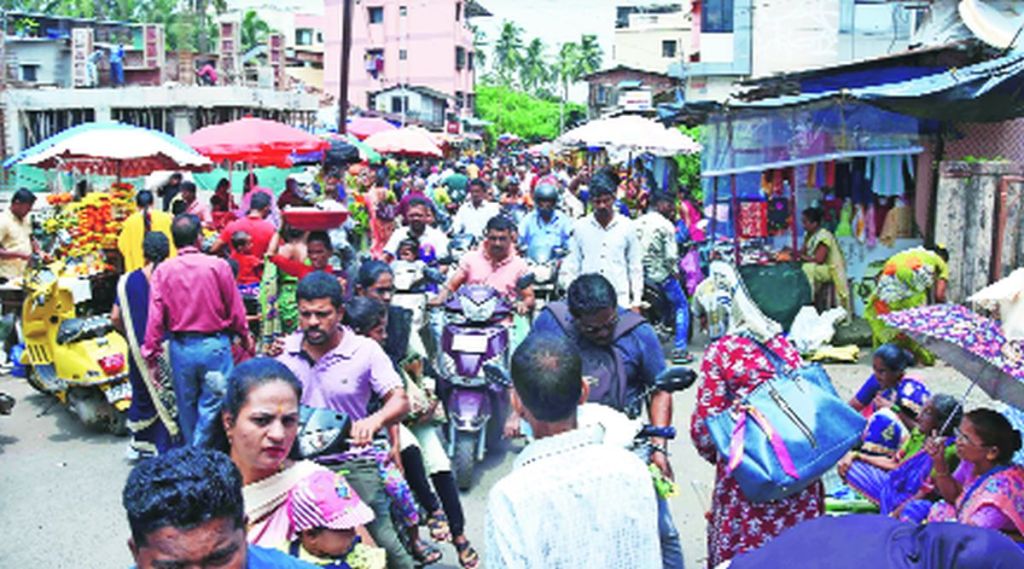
(479, 269)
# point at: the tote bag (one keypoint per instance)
(786, 433)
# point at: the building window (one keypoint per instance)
(319, 37)
(469, 61)
(602, 95)
(716, 16)
(668, 48)
(460, 58)
(403, 11)
(458, 11)
(376, 14)
(403, 54)
(303, 36)
(459, 101)
(30, 73)
(399, 104)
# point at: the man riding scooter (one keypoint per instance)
(544, 235)
(621, 351)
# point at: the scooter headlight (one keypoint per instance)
(479, 312)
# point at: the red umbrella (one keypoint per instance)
(363, 127)
(258, 142)
(404, 141)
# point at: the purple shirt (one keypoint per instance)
(193, 292)
(345, 377)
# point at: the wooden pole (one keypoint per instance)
(346, 53)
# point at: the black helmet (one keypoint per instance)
(545, 191)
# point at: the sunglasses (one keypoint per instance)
(590, 330)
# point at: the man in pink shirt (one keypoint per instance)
(195, 304)
(495, 264)
(187, 194)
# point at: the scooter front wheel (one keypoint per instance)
(32, 376)
(464, 459)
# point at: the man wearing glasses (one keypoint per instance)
(622, 356)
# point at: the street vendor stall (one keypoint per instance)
(766, 161)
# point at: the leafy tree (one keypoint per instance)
(534, 70)
(530, 118)
(508, 52)
(479, 43)
(590, 54)
(689, 165)
(254, 30)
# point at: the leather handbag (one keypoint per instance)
(786, 433)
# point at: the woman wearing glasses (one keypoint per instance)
(987, 489)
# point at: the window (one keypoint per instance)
(458, 99)
(460, 58)
(602, 95)
(668, 48)
(376, 14)
(303, 36)
(399, 104)
(458, 11)
(469, 61)
(403, 11)
(30, 73)
(717, 16)
(319, 37)
(403, 54)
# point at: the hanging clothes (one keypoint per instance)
(886, 174)
(899, 223)
(752, 219)
(860, 187)
(845, 227)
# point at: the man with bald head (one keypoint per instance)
(571, 500)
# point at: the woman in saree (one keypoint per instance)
(822, 258)
(152, 415)
(907, 280)
(987, 489)
(135, 228)
(259, 424)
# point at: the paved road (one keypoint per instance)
(60, 484)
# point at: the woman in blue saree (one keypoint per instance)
(152, 415)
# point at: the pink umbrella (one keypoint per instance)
(404, 141)
(258, 142)
(364, 127)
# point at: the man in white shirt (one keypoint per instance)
(606, 243)
(472, 217)
(418, 213)
(571, 500)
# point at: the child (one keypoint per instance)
(327, 518)
(250, 267)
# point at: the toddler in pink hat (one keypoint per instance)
(326, 514)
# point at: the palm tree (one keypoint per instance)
(508, 51)
(479, 43)
(591, 54)
(533, 70)
(254, 30)
(569, 71)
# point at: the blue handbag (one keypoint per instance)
(802, 429)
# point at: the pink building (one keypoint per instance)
(421, 43)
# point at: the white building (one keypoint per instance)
(651, 38)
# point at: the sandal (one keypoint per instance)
(437, 523)
(468, 557)
(424, 553)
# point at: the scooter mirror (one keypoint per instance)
(675, 378)
(525, 281)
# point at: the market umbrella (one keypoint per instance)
(364, 127)
(257, 142)
(630, 132)
(112, 149)
(405, 142)
(970, 343)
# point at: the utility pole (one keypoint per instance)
(346, 52)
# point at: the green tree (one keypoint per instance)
(531, 118)
(534, 70)
(569, 70)
(508, 52)
(689, 165)
(254, 30)
(590, 54)
(479, 43)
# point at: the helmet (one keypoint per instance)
(545, 191)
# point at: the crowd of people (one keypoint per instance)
(238, 325)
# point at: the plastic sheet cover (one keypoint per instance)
(751, 139)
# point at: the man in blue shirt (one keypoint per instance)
(621, 353)
(544, 228)
(185, 510)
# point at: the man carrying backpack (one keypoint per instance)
(621, 352)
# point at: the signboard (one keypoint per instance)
(636, 100)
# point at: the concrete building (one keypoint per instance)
(413, 105)
(424, 43)
(733, 40)
(625, 89)
(651, 38)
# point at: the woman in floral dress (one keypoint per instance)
(733, 366)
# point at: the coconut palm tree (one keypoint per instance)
(508, 52)
(590, 54)
(479, 43)
(569, 71)
(254, 30)
(534, 70)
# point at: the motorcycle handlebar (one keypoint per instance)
(651, 431)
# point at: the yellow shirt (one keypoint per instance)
(129, 242)
(15, 236)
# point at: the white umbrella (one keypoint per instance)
(632, 133)
(404, 141)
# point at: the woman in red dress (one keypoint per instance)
(733, 366)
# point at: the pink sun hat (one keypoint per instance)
(325, 499)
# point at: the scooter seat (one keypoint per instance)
(76, 329)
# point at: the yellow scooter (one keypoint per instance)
(81, 361)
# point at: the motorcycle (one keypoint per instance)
(411, 282)
(80, 361)
(474, 351)
(544, 268)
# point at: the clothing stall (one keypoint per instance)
(766, 161)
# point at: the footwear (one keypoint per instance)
(681, 357)
(468, 557)
(437, 523)
(424, 553)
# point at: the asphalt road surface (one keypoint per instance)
(60, 484)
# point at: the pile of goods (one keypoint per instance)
(83, 230)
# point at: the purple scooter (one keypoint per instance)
(474, 355)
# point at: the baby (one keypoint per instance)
(327, 524)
